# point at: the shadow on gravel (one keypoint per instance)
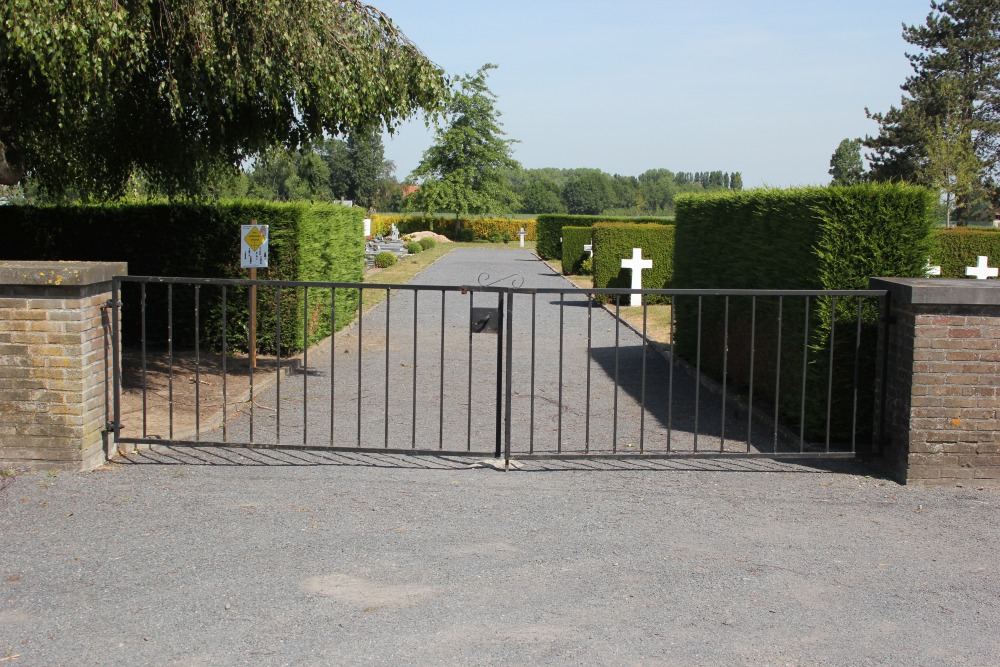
(244, 456)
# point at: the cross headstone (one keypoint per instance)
(636, 264)
(589, 249)
(394, 236)
(522, 234)
(932, 270)
(981, 270)
(368, 227)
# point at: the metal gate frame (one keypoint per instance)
(505, 305)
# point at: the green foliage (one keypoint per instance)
(549, 229)
(614, 241)
(956, 249)
(427, 243)
(414, 247)
(846, 166)
(589, 193)
(316, 243)
(951, 101)
(91, 92)
(472, 228)
(463, 172)
(573, 254)
(810, 238)
(385, 259)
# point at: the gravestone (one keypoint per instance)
(521, 233)
(930, 270)
(636, 264)
(981, 270)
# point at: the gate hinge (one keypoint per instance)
(111, 303)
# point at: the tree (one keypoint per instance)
(367, 160)
(846, 166)
(589, 193)
(91, 92)
(464, 171)
(955, 87)
(736, 181)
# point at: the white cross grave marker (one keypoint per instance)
(522, 234)
(931, 270)
(589, 249)
(981, 270)
(368, 227)
(636, 264)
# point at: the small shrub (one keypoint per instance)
(413, 247)
(466, 236)
(587, 266)
(384, 259)
(427, 243)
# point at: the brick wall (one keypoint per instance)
(54, 347)
(942, 403)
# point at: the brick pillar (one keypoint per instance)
(941, 423)
(54, 344)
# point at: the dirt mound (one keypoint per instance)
(416, 236)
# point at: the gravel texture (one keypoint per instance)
(243, 557)
(202, 556)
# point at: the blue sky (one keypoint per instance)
(767, 88)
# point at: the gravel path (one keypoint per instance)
(184, 556)
(581, 381)
(242, 557)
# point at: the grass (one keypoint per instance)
(657, 315)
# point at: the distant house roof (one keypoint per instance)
(410, 189)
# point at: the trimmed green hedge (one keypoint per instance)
(550, 228)
(809, 238)
(614, 241)
(317, 242)
(955, 249)
(573, 254)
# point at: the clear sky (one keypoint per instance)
(764, 87)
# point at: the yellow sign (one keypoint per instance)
(255, 239)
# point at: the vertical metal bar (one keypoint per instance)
(441, 378)
(225, 365)
(499, 399)
(885, 308)
(468, 422)
(305, 364)
(509, 377)
(670, 372)
(361, 322)
(277, 360)
(590, 343)
(251, 361)
(829, 375)
(614, 416)
(854, 390)
(697, 376)
(725, 368)
(197, 364)
(388, 304)
(531, 420)
(333, 357)
(560, 403)
(413, 413)
(142, 289)
(777, 375)
(170, 354)
(642, 391)
(805, 370)
(753, 335)
(116, 369)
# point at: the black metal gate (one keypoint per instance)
(496, 371)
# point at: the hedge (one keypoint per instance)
(550, 228)
(318, 242)
(809, 238)
(614, 242)
(573, 254)
(955, 249)
(474, 228)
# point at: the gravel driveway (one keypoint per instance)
(258, 557)
(242, 557)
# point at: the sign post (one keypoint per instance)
(253, 255)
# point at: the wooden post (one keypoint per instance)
(253, 320)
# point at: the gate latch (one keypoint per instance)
(485, 320)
